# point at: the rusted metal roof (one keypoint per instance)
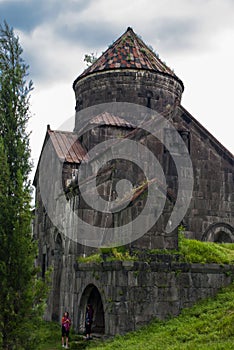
(129, 51)
(67, 146)
(107, 118)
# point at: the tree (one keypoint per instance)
(90, 58)
(21, 293)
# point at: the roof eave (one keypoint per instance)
(81, 77)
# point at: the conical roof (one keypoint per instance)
(129, 51)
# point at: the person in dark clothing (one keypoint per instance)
(88, 321)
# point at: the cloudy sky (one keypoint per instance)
(194, 37)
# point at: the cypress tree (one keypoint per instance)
(20, 291)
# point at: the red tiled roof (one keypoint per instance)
(107, 118)
(67, 146)
(129, 51)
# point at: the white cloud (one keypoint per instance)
(52, 105)
(51, 58)
(208, 94)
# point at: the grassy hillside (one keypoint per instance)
(207, 325)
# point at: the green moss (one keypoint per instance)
(142, 49)
(90, 258)
(108, 254)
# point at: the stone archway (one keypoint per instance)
(91, 295)
(220, 233)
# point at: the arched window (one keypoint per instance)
(149, 96)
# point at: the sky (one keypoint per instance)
(194, 37)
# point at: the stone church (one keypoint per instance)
(129, 100)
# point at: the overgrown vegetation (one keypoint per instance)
(49, 334)
(96, 258)
(189, 250)
(194, 251)
(109, 254)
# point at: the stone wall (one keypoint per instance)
(158, 91)
(213, 195)
(130, 294)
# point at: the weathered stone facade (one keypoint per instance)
(133, 293)
(126, 294)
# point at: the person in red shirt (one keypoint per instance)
(66, 324)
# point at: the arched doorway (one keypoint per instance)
(91, 295)
(219, 232)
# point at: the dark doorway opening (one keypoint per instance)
(222, 237)
(91, 295)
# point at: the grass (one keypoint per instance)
(209, 325)
(112, 254)
(90, 258)
(49, 333)
(194, 251)
(190, 250)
